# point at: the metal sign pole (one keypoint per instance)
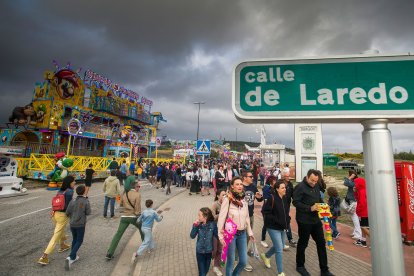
(385, 232)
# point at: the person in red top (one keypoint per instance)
(360, 192)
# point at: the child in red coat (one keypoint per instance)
(360, 192)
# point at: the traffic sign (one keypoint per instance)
(203, 147)
(338, 89)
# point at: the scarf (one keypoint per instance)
(236, 198)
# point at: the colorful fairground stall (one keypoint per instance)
(81, 114)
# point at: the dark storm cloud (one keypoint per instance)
(178, 52)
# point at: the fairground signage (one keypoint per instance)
(339, 89)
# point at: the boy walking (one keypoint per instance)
(147, 219)
(77, 211)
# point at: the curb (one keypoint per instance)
(123, 266)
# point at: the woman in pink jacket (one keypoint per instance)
(235, 207)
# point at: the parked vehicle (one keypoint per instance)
(349, 165)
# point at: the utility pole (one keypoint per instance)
(198, 117)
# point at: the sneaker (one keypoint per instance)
(292, 243)
(217, 271)
(361, 243)
(266, 260)
(114, 217)
(43, 261)
(327, 273)
(302, 271)
(281, 274)
(264, 244)
(336, 236)
(248, 268)
(109, 257)
(69, 262)
(134, 257)
(286, 247)
(355, 238)
(64, 248)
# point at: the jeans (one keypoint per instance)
(278, 238)
(77, 240)
(148, 241)
(239, 242)
(357, 228)
(107, 201)
(123, 225)
(168, 187)
(332, 224)
(316, 231)
(203, 263)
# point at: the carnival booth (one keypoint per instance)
(82, 114)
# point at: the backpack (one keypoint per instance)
(58, 202)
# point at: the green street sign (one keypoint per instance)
(339, 89)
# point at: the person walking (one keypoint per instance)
(251, 194)
(276, 220)
(349, 182)
(111, 189)
(205, 180)
(113, 165)
(362, 210)
(147, 219)
(132, 204)
(195, 182)
(215, 209)
(334, 203)
(220, 178)
(60, 219)
(306, 199)
(267, 194)
(169, 176)
(289, 197)
(153, 174)
(77, 211)
(205, 229)
(163, 176)
(235, 206)
(132, 168)
(89, 173)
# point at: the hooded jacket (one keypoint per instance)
(361, 197)
(111, 187)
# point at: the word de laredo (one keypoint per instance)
(378, 95)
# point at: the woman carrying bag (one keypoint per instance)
(276, 220)
(235, 207)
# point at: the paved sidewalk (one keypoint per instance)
(175, 251)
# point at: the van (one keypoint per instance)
(342, 165)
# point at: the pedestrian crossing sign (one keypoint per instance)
(203, 147)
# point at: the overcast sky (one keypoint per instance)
(177, 52)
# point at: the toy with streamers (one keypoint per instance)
(230, 229)
(325, 213)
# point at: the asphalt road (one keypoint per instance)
(26, 228)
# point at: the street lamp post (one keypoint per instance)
(198, 117)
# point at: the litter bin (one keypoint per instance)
(404, 172)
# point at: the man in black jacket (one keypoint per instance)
(306, 198)
(289, 197)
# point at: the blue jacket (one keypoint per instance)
(205, 234)
(147, 218)
(267, 191)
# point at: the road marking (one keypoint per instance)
(34, 212)
(19, 201)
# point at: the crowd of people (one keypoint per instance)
(236, 187)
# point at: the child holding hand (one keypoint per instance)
(204, 228)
